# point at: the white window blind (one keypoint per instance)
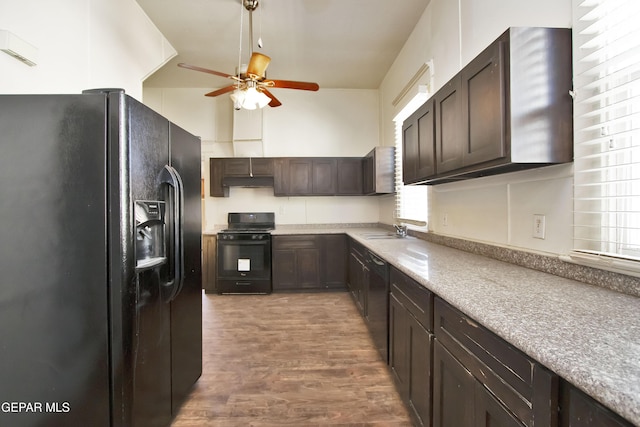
(607, 132)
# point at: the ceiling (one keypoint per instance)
(335, 43)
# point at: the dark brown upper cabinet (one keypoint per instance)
(418, 156)
(449, 142)
(509, 109)
(248, 167)
(239, 171)
(216, 173)
(379, 171)
(307, 176)
(324, 177)
(350, 176)
(483, 90)
(318, 176)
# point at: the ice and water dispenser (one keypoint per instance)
(150, 243)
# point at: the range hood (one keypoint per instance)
(247, 181)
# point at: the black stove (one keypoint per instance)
(244, 254)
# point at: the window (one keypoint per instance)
(411, 200)
(607, 134)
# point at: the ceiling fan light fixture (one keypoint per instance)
(249, 99)
(251, 86)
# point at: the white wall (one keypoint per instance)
(81, 44)
(330, 122)
(500, 209)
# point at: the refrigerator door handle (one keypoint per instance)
(171, 177)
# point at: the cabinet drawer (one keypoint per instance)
(414, 297)
(528, 389)
(302, 241)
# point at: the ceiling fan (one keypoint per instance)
(251, 87)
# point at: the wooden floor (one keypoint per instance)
(289, 360)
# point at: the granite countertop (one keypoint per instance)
(588, 335)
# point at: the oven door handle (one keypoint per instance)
(175, 241)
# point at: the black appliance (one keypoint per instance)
(244, 254)
(378, 303)
(100, 291)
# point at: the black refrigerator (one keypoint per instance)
(100, 262)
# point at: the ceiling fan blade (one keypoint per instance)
(206, 70)
(258, 65)
(290, 84)
(274, 101)
(222, 91)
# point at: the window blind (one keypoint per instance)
(607, 132)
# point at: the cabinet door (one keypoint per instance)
(295, 262)
(368, 174)
(410, 151)
(419, 393)
(281, 176)
(324, 177)
(453, 391)
(209, 263)
(308, 268)
(410, 360)
(484, 100)
(334, 261)
(300, 177)
(350, 175)
(426, 164)
(580, 410)
(216, 171)
(261, 166)
(355, 278)
(236, 166)
(490, 412)
(399, 346)
(449, 145)
(283, 269)
(359, 276)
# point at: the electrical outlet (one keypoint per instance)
(538, 226)
(445, 219)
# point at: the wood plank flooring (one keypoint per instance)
(289, 360)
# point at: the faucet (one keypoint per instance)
(401, 230)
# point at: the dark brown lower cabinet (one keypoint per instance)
(308, 262)
(491, 413)
(410, 361)
(481, 380)
(462, 401)
(333, 261)
(453, 391)
(580, 410)
(209, 263)
(358, 277)
(411, 343)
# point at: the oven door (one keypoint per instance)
(244, 257)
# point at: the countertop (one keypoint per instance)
(588, 335)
